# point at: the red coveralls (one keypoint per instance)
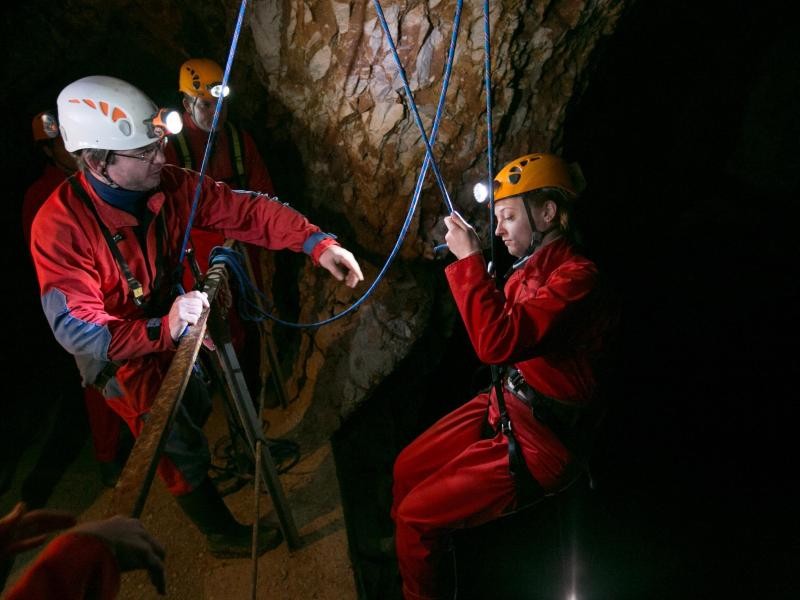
(87, 301)
(72, 567)
(450, 477)
(103, 422)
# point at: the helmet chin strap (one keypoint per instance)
(194, 109)
(107, 177)
(537, 237)
(104, 171)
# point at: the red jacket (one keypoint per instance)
(540, 323)
(72, 567)
(36, 194)
(85, 297)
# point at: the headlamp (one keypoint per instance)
(49, 125)
(481, 192)
(166, 121)
(215, 89)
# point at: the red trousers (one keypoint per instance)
(451, 478)
(104, 424)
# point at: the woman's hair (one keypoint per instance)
(564, 202)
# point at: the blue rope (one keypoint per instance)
(212, 133)
(413, 105)
(220, 254)
(249, 295)
(487, 82)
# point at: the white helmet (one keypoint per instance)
(106, 113)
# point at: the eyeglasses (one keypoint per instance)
(149, 153)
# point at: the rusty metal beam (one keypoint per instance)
(131, 491)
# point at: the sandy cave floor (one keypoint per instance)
(319, 569)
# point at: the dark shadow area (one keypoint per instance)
(687, 136)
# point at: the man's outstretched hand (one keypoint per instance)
(342, 265)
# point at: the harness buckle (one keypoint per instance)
(516, 384)
(505, 425)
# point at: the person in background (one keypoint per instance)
(235, 160)
(106, 247)
(59, 164)
(543, 329)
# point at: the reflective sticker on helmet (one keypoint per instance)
(117, 116)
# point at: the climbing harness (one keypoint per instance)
(561, 418)
(235, 147)
(162, 293)
(153, 304)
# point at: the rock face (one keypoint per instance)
(317, 85)
(330, 65)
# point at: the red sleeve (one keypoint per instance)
(71, 567)
(250, 217)
(36, 195)
(30, 206)
(503, 332)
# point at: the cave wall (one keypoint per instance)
(316, 84)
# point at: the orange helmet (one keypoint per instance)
(201, 78)
(535, 171)
(44, 126)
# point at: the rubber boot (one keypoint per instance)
(227, 538)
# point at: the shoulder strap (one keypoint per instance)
(134, 287)
(183, 151)
(237, 154)
(528, 488)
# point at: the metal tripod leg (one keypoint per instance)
(251, 424)
(237, 439)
